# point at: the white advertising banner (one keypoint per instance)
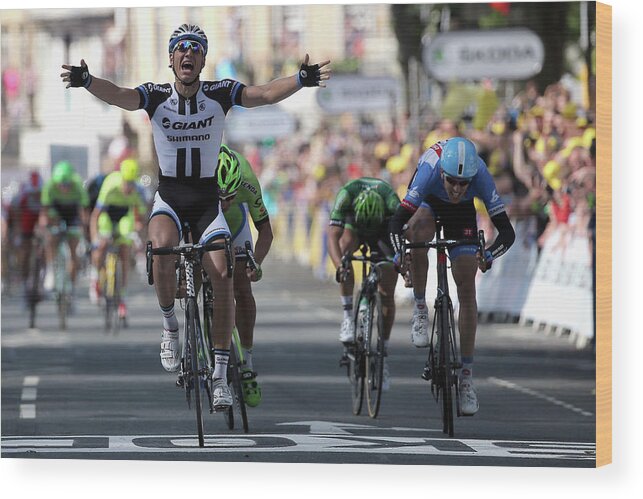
(248, 124)
(509, 54)
(359, 94)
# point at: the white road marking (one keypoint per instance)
(299, 443)
(29, 394)
(534, 393)
(27, 411)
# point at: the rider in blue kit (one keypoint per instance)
(448, 177)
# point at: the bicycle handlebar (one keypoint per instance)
(189, 249)
(449, 243)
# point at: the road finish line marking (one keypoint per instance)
(288, 443)
(29, 393)
(534, 393)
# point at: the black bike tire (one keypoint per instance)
(446, 368)
(356, 364)
(236, 387)
(374, 364)
(191, 316)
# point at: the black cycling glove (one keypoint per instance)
(80, 76)
(309, 76)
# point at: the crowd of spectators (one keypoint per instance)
(539, 147)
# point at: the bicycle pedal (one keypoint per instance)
(344, 361)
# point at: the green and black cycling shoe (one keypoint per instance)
(251, 389)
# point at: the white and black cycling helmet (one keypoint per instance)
(188, 32)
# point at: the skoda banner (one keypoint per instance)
(508, 54)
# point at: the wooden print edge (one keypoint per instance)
(603, 234)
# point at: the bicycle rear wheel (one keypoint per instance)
(192, 353)
(374, 358)
(236, 389)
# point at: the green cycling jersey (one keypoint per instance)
(111, 195)
(72, 194)
(249, 194)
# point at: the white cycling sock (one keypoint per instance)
(221, 364)
(170, 322)
(347, 305)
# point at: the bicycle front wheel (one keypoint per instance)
(192, 353)
(356, 362)
(374, 359)
(446, 362)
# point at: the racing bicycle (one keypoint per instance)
(364, 358)
(443, 362)
(197, 367)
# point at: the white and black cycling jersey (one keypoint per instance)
(187, 132)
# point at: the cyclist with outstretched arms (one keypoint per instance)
(187, 118)
(361, 214)
(241, 200)
(118, 213)
(63, 199)
(448, 177)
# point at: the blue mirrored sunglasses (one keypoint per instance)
(184, 45)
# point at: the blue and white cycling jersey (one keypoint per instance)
(427, 182)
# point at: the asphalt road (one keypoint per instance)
(83, 394)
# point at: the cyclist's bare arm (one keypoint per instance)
(105, 90)
(334, 251)
(270, 93)
(93, 224)
(264, 241)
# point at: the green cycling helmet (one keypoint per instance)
(63, 172)
(369, 208)
(228, 171)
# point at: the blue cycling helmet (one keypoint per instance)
(459, 158)
(188, 32)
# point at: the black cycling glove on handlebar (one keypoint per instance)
(309, 75)
(80, 76)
